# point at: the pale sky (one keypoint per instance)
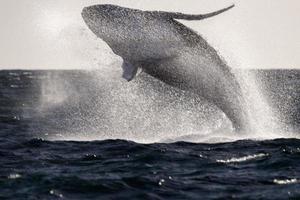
(51, 34)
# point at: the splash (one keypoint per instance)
(99, 105)
(263, 119)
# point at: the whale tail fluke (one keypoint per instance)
(183, 16)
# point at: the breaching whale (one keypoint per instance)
(169, 51)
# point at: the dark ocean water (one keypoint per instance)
(33, 167)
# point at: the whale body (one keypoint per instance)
(169, 51)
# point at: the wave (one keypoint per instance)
(244, 158)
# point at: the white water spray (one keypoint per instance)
(99, 105)
(263, 119)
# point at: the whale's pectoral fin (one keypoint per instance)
(129, 70)
(193, 17)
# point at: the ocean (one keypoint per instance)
(82, 135)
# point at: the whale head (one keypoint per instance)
(97, 17)
(140, 35)
(102, 13)
(105, 20)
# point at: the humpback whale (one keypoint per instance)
(164, 48)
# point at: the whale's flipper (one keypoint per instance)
(129, 70)
(193, 17)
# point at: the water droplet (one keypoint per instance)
(56, 193)
(16, 118)
(161, 182)
(14, 176)
(285, 182)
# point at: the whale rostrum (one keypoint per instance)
(157, 43)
